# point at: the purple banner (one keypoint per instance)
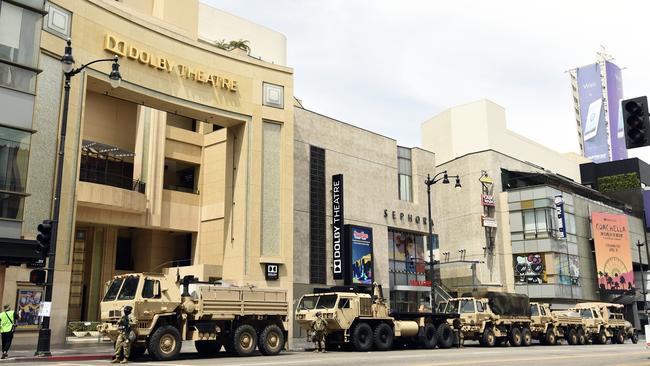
(592, 115)
(646, 208)
(614, 97)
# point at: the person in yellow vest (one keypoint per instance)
(7, 328)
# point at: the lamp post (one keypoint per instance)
(444, 177)
(67, 63)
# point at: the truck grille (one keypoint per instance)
(114, 313)
(144, 324)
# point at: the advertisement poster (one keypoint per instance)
(613, 253)
(592, 114)
(529, 268)
(360, 244)
(28, 305)
(614, 98)
(409, 251)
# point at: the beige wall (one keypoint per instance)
(121, 116)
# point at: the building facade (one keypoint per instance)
(188, 163)
(383, 189)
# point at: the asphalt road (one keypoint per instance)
(589, 355)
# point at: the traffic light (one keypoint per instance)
(37, 276)
(637, 122)
(44, 238)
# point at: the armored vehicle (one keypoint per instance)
(494, 319)
(170, 310)
(359, 317)
(603, 321)
(549, 326)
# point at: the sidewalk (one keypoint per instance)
(86, 352)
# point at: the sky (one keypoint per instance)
(387, 66)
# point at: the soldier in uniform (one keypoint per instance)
(319, 329)
(122, 344)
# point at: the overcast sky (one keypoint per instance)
(387, 66)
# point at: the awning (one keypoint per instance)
(18, 251)
(100, 148)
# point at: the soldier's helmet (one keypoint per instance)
(128, 309)
(318, 313)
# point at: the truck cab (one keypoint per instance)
(338, 309)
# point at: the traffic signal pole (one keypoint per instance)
(45, 333)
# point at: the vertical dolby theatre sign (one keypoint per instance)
(337, 226)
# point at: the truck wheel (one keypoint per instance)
(445, 336)
(550, 337)
(601, 337)
(489, 340)
(515, 337)
(165, 343)
(208, 348)
(572, 337)
(634, 337)
(619, 336)
(427, 336)
(244, 340)
(383, 337)
(526, 337)
(271, 340)
(582, 338)
(362, 337)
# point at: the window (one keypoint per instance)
(344, 303)
(407, 267)
(19, 44)
(113, 289)
(128, 289)
(467, 307)
(479, 307)
(404, 173)
(151, 289)
(534, 310)
(123, 254)
(14, 159)
(538, 223)
(586, 314)
(181, 176)
(317, 217)
(542, 311)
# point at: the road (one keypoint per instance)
(590, 355)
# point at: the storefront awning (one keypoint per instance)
(104, 149)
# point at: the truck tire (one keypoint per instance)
(362, 337)
(619, 337)
(383, 337)
(572, 337)
(526, 337)
(489, 340)
(582, 337)
(208, 348)
(165, 343)
(634, 337)
(427, 336)
(445, 336)
(271, 340)
(549, 338)
(515, 337)
(601, 337)
(244, 340)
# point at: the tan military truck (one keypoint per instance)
(170, 310)
(494, 319)
(359, 316)
(549, 326)
(603, 321)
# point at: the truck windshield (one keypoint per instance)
(317, 302)
(452, 307)
(467, 306)
(534, 311)
(128, 289)
(113, 289)
(586, 313)
(442, 307)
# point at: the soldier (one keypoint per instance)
(123, 344)
(319, 328)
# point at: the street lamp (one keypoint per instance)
(67, 64)
(444, 177)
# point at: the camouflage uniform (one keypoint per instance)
(319, 329)
(122, 344)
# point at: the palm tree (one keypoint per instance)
(241, 44)
(222, 44)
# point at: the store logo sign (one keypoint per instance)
(337, 226)
(272, 271)
(121, 48)
(487, 200)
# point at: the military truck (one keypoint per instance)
(549, 326)
(358, 316)
(603, 321)
(170, 310)
(494, 319)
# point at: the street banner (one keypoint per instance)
(559, 216)
(359, 241)
(616, 123)
(613, 253)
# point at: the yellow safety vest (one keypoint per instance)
(6, 321)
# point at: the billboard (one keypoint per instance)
(338, 246)
(614, 98)
(359, 241)
(530, 268)
(613, 253)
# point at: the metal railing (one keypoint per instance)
(114, 180)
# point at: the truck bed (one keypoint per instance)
(229, 302)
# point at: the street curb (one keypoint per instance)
(90, 357)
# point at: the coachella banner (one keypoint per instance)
(613, 253)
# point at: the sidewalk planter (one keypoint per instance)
(80, 333)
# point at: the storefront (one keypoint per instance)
(407, 265)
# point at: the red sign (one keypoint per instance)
(420, 283)
(487, 200)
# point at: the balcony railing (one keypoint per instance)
(114, 180)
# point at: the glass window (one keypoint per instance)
(308, 302)
(534, 310)
(542, 311)
(537, 223)
(12, 206)
(529, 224)
(19, 34)
(14, 159)
(404, 173)
(479, 307)
(344, 303)
(16, 78)
(405, 188)
(129, 288)
(467, 306)
(113, 289)
(586, 313)
(151, 289)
